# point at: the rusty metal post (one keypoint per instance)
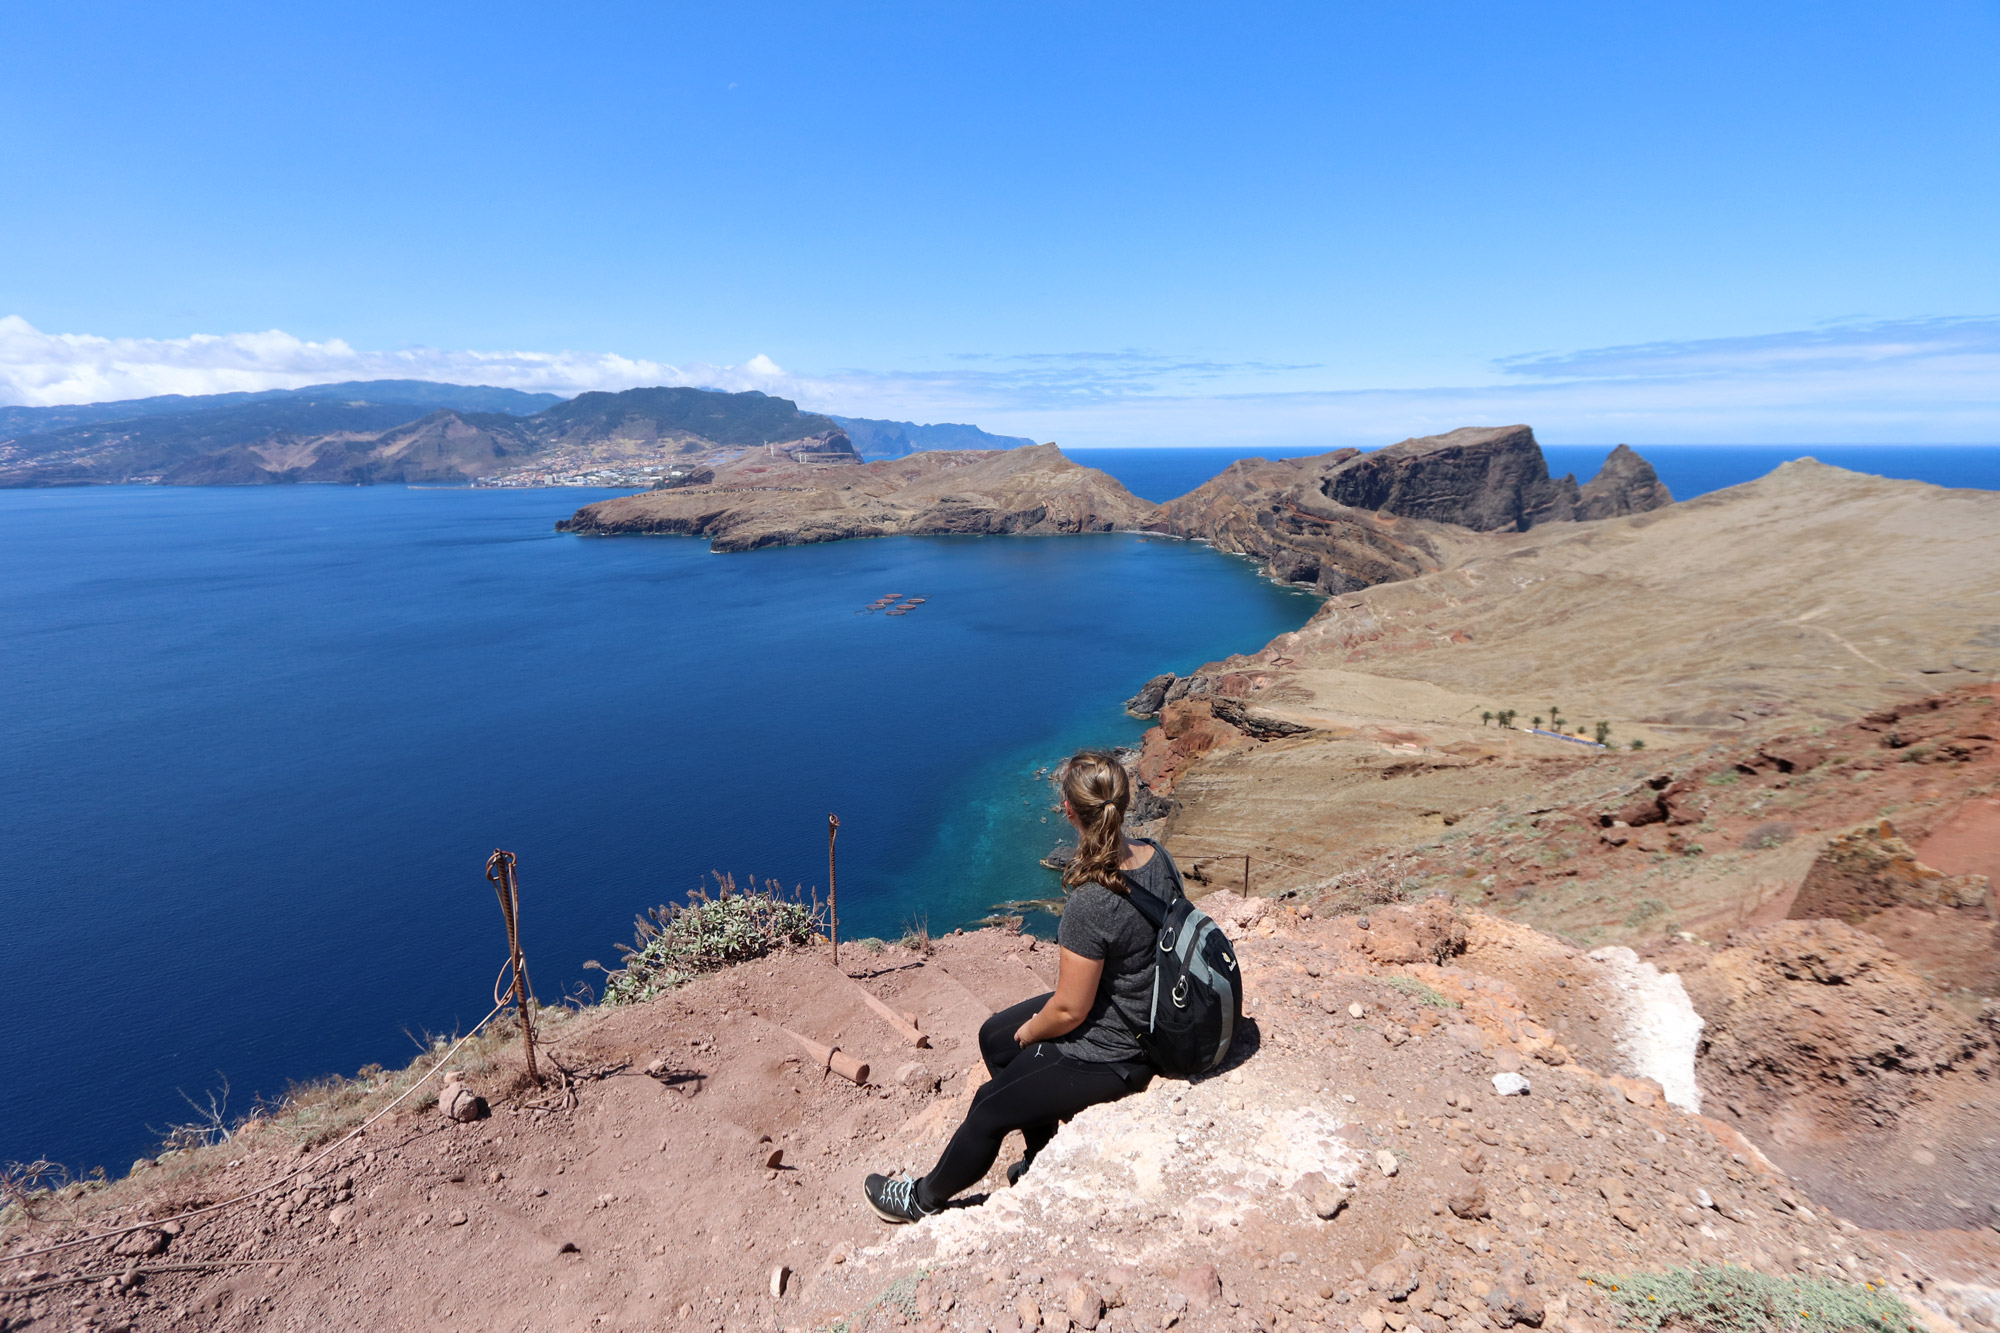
(500, 872)
(832, 889)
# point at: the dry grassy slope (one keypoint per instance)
(648, 1204)
(758, 500)
(1808, 597)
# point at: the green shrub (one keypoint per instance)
(1728, 1299)
(705, 933)
(1421, 993)
(1646, 909)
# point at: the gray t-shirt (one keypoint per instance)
(1100, 923)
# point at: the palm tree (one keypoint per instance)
(1603, 732)
(1486, 718)
(1538, 719)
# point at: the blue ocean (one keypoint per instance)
(258, 744)
(1687, 469)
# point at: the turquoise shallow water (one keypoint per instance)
(259, 742)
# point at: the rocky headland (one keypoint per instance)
(769, 497)
(1338, 521)
(1348, 520)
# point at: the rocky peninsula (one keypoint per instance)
(1339, 521)
(774, 497)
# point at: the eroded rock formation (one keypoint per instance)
(1626, 484)
(1491, 479)
(1348, 520)
(1822, 1012)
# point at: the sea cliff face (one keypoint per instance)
(1349, 520)
(766, 498)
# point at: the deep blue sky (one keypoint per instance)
(1103, 219)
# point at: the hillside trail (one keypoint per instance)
(1353, 1167)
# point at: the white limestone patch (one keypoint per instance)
(1174, 1159)
(1659, 1029)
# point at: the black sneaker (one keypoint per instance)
(894, 1199)
(1016, 1171)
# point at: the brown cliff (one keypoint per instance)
(1491, 479)
(1349, 520)
(1274, 510)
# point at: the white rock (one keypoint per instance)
(1509, 1085)
(1659, 1031)
(1385, 1161)
(1355, 1010)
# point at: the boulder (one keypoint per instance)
(1146, 703)
(1085, 1306)
(1396, 1278)
(142, 1244)
(1513, 1302)
(1201, 1284)
(1871, 869)
(460, 1104)
(1469, 1201)
(1426, 932)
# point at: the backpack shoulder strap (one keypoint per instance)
(1148, 903)
(1180, 885)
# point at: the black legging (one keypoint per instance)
(1033, 1089)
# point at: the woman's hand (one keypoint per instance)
(1076, 991)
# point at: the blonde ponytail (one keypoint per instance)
(1098, 792)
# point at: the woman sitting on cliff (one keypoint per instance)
(1056, 1054)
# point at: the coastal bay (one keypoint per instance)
(261, 741)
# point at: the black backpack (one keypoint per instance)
(1197, 987)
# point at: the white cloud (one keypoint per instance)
(1934, 380)
(41, 369)
(1925, 346)
(1913, 380)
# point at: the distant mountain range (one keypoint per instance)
(897, 439)
(417, 431)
